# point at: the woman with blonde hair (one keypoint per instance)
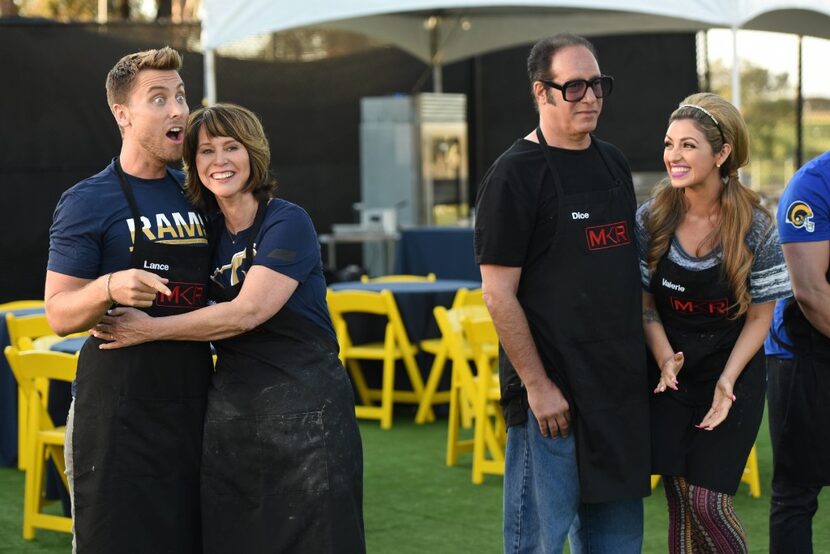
(711, 270)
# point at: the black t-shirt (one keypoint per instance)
(516, 217)
(516, 208)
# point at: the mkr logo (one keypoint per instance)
(609, 235)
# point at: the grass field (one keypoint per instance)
(415, 504)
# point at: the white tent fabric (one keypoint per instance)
(470, 27)
(401, 21)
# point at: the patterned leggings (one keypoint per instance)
(702, 521)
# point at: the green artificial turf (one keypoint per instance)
(414, 503)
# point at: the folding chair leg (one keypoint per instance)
(453, 422)
(435, 373)
(479, 426)
(751, 476)
(56, 454)
(359, 380)
(22, 414)
(467, 410)
(33, 491)
(414, 374)
(452, 434)
(387, 391)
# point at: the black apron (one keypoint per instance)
(596, 331)
(802, 450)
(283, 464)
(696, 308)
(137, 439)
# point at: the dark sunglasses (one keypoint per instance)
(574, 91)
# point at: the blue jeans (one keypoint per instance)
(542, 506)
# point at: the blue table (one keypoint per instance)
(445, 251)
(69, 346)
(416, 300)
(8, 395)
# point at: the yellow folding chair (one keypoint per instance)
(490, 434)
(464, 388)
(453, 336)
(23, 330)
(43, 440)
(439, 349)
(21, 305)
(751, 476)
(429, 277)
(395, 346)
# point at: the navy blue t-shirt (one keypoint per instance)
(93, 229)
(286, 243)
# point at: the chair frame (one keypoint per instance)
(21, 305)
(395, 346)
(490, 436)
(473, 384)
(43, 440)
(22, 330)
(440, 350)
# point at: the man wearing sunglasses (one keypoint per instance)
(560, 276)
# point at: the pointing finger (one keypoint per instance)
(155, 282)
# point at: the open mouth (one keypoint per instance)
(678, 172)
(175, 134)
(223, 176)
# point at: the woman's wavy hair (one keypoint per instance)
(240, 124)
(721, 123)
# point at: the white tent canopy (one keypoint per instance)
(465, 28)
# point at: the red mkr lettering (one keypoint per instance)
(683, 306)
(597, 237)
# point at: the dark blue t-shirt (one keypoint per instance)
(286, 243)
(93, 229)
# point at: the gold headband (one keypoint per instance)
(712, 117)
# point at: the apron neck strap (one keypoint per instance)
(127, 189)
(260, 215)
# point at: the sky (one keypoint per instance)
(778, 53)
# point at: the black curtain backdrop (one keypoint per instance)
(57, 129)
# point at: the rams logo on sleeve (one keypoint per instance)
(800, 216)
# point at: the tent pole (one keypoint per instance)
(435, 54)
(437, 77)
(210, 78)
(799, 108)
(736, 73)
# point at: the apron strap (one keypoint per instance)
(260, 215)
(127, 189)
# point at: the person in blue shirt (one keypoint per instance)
(282, 465)
(128, 236)
(799, 394)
